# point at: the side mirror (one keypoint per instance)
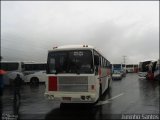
(96, 60)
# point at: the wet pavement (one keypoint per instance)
(128, 96)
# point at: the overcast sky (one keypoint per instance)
(117, 28)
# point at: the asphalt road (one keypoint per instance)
(126, 97)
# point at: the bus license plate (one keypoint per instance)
(67, 98)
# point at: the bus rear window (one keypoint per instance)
(75, 61)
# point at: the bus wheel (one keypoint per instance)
(34, 81)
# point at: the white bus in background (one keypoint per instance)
(129, 68)
(132, 68)
(35, 72)
(12, 68)
(77, 74)
(143, 68)
(32, 67)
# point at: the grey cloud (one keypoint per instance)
(30, 30)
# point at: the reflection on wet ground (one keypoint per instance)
(127, 96)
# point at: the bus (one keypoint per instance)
(32, 67)
(117, 71)
(153, 71)
(77, 74)
(35, 72)
(12, 68)
(143, 69)
(129, 68)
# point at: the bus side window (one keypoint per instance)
(96, 60)
(96, 63)
(22, 66)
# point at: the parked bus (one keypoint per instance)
(32, 67)
(143, 69)
(35, 72)
(12, 68)
(117, 71)
(77, 74)
(129, 68)
(153, 71)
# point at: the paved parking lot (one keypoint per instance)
(130, 95)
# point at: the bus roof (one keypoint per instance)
(10, 61)
(68, 47)
(147, 61)
(75, 47)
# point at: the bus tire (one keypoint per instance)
(34, 81)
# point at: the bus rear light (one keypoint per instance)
(52, 83)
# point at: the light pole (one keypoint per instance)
(124, 59)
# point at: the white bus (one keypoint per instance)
(132, 68)
(143, 69)
(32, 67)
(77, 74)
(12, 68)
(129, 68)
(35, 72)
(153, 72)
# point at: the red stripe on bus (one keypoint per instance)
(52, 83)
(99, 72)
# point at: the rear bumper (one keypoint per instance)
(84, 97)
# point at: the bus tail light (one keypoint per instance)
(52, 83)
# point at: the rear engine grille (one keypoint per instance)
(73, 84)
